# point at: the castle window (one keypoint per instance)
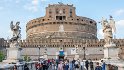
(70, 12)
(63, 11)
(60, 17)
(91, 22)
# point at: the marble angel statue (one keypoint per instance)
(16, 31)
(108, 29)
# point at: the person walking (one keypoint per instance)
(86, 64)
(39, 67)
(60, 66)
(103, 65)
(82, 65)
(91, 65)
(26, 67)
(70, 65)
(15, 67)
(66, 66)
(73, 63)
(98, 67)
(76, 65)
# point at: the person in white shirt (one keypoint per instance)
(82, 65)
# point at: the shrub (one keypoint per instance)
(2, 56)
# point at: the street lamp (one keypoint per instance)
(39, 51)
(45, 52)
(84, 58)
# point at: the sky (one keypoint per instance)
(25, 10)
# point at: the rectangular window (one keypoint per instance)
(60, 17)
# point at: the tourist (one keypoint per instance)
(53, 65)
(73, 62)
(26, 67)
(86, 64)
(15, 67)
(76, 65)
(91, 65)
(66, 66)
(98, 67)
(82, 65)
(70, 65)
(60, 66)
(40, 67)
(36, 65)
(45, 65)
(103, 65)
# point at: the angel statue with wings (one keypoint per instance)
(108, 29)
(16, 31)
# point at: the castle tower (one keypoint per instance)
(61, 21)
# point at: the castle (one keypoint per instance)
(62, 34)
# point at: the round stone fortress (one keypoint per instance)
(61, 22)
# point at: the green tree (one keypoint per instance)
(27, 58)
(2, 56)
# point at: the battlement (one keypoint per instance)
(65, 43)
(61, 4)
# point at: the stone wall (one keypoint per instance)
(91, 53)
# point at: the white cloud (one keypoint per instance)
(119, 12)
(33, 6)
(34, 2)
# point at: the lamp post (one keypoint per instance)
(39, 51)
(45, 52)
(84, 58)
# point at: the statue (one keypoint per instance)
(108, 29)
(61, 28)
(16, 31)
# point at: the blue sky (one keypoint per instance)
(25, 10)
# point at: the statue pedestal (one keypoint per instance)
(13, 54)
(45, 56)
(76, 56)
(111, 56)
(111, 52)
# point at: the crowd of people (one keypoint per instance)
(52, 64)
(65, 64)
